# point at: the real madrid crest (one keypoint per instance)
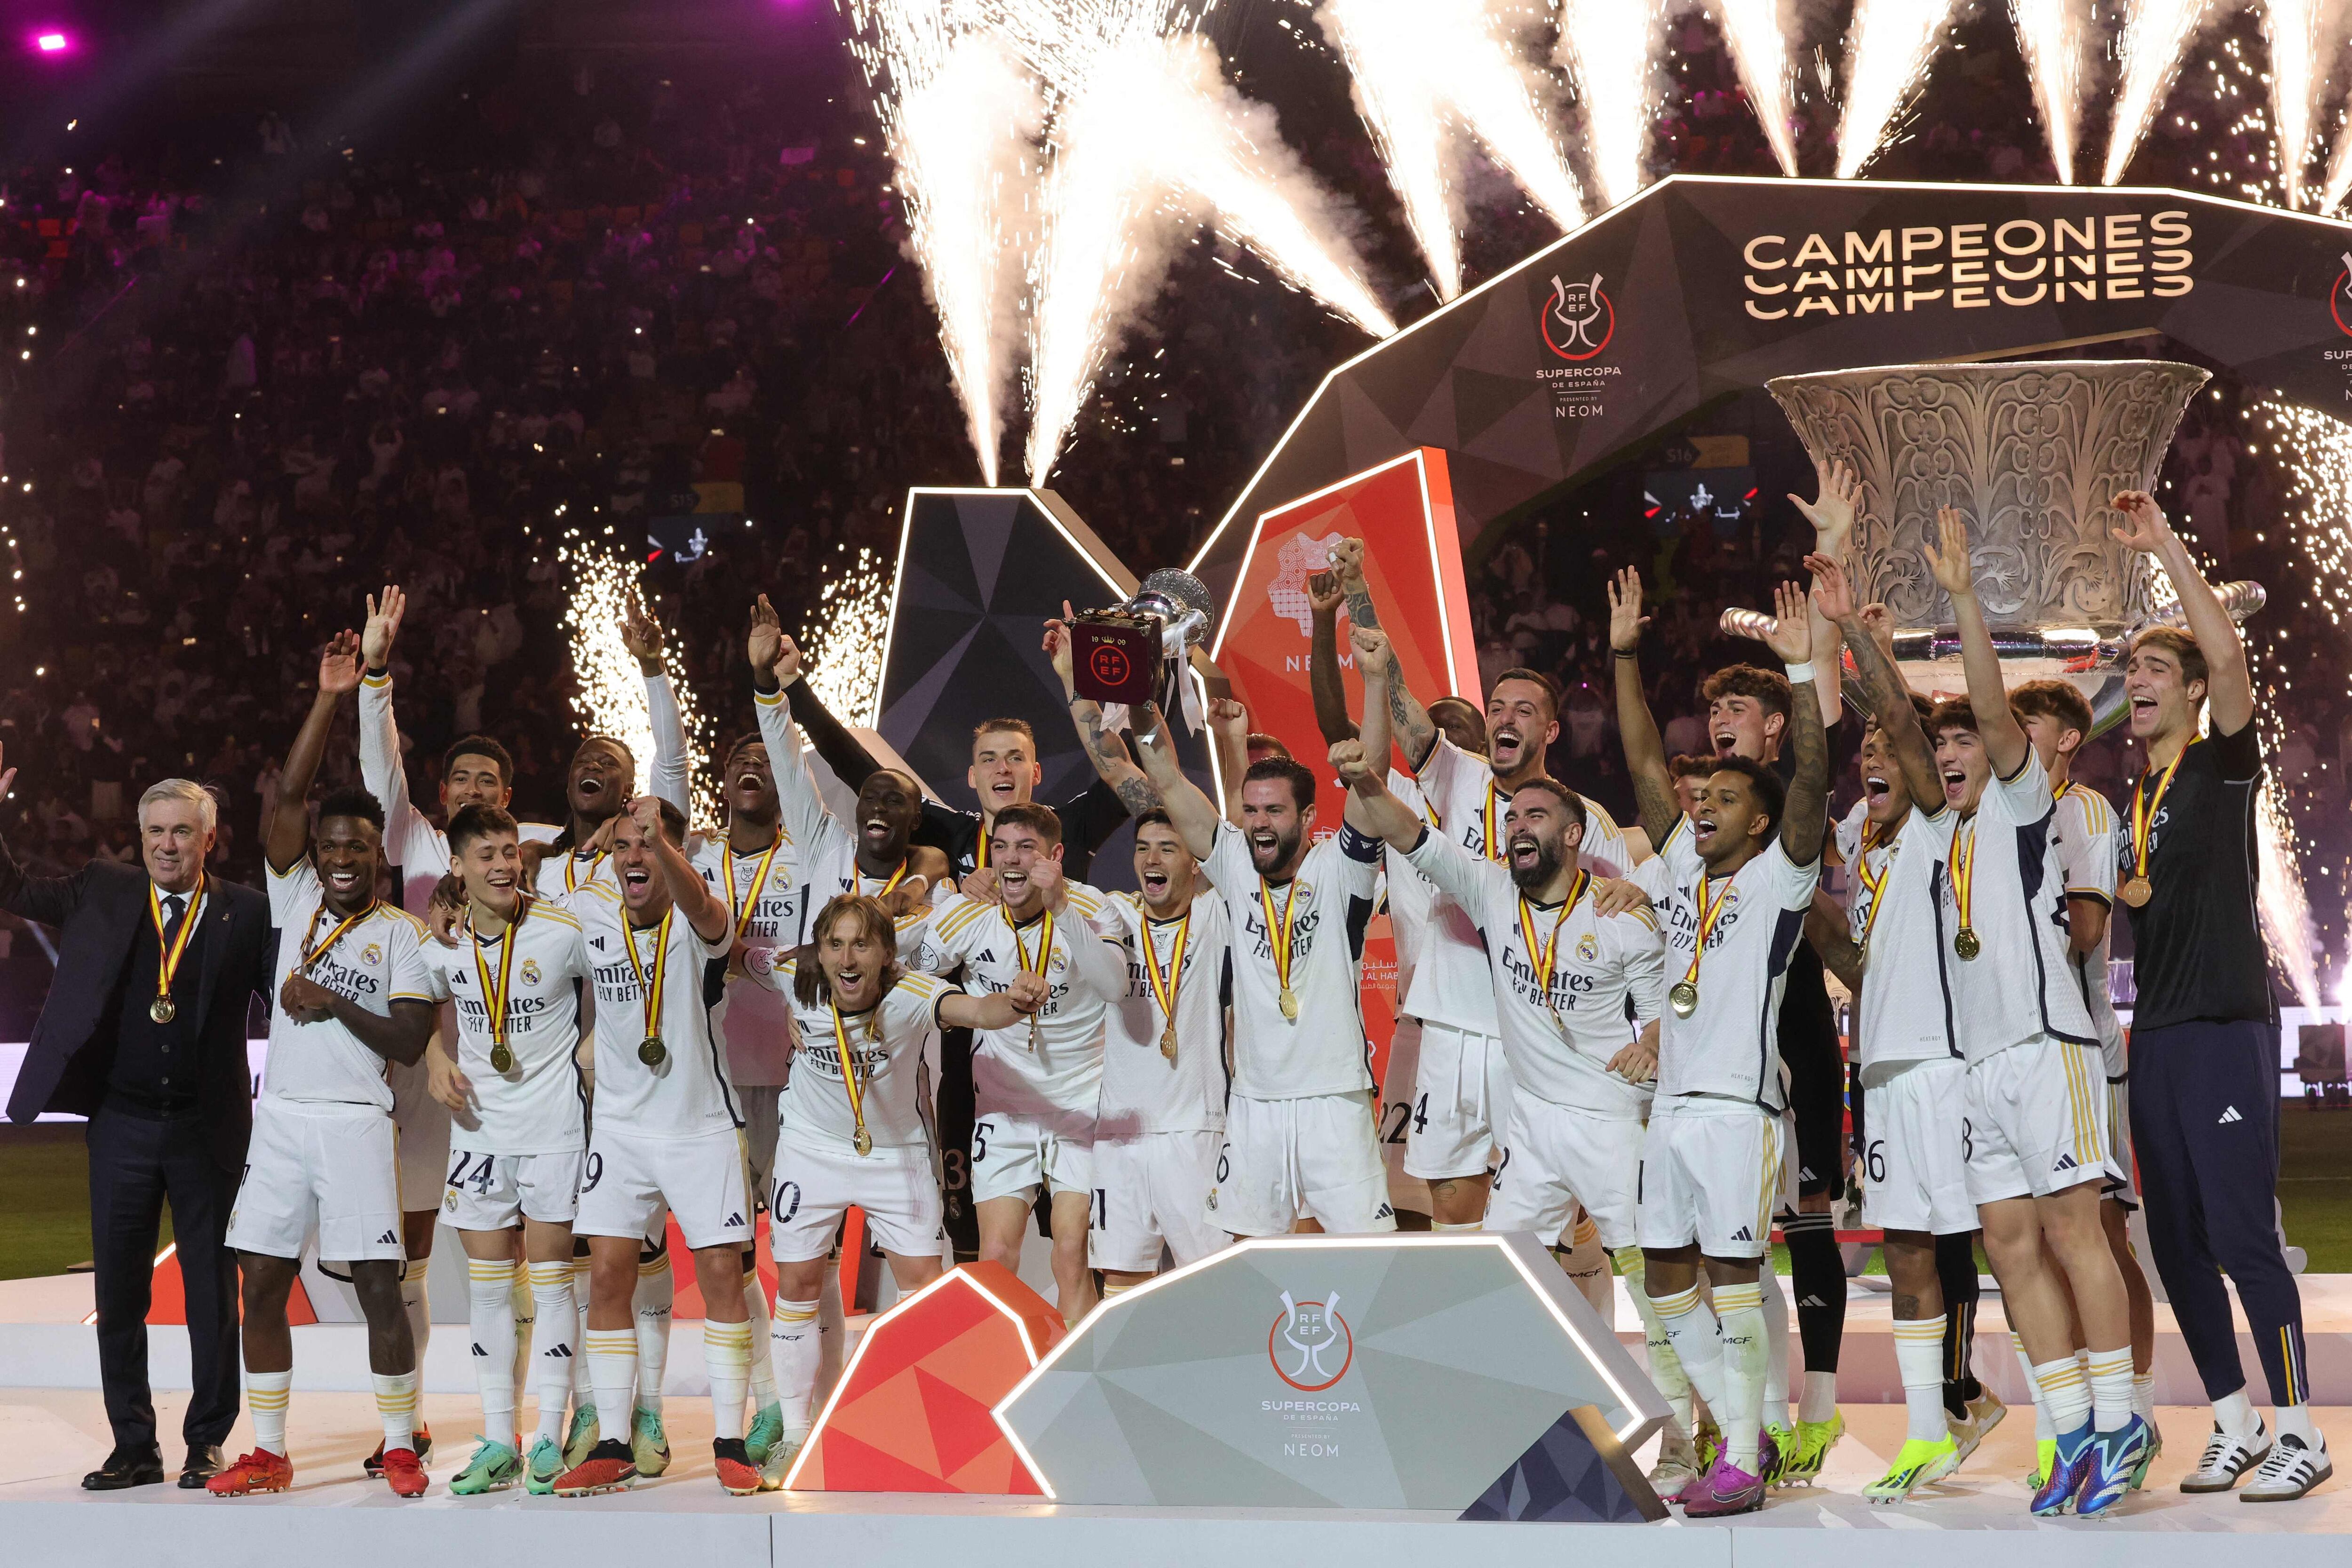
(372, 953)
(1587, 949)
(530, 971)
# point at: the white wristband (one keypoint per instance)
(1799, 674)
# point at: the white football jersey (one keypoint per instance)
(1056, 1065)
(827, 851)
(895, 1047)
(1904, 1014)
(1327, 906)
(2021, 983)
(690, 1092)
(411, 842)
(1143, 1090)
(2088, 853)
(1729, 1046)
(537, 1105)
(374, 962)
(1441, 964)
(763, 893)
(1561, 1024)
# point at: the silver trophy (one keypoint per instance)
(2031, 454)
(1136, 652)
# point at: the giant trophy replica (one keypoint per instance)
(2032, 453)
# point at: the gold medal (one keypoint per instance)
(1682, 994)
(163, 1009)
(1964, 883)
(650, 1051)
(1277, 939)
(1543, 956)
(1045, 958)
(501, 1059)
(1966, 943)
(2136, 891)
(496, 988)
(862, 1141)
(859, 1138)
(735, 970)
(1164, 982)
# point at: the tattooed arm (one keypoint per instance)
(1826, 928)
(1645, 748)
(1103, 748)
(1408, 720)
(1883, 691)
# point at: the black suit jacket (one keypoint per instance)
(99, 912)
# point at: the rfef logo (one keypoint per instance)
(1310, 1344)
(1578, 319)
(2338, 292)
(1110, 664)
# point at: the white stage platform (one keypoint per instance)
(48, 1437)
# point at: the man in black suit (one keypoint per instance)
(143, 1032)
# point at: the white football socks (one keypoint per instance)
(1919, 1359)
(2111, 1388)
(583, 1391)
(793, 1334)
(1696, 1341)
(490, 1317)
(612, 1373)
(395, 1402)
(526, 1322)
(2144, 1396)
(2043, 1430)
(266, 1396)
(656, 1294)
(1665, 1367)
(763, 1360)
(1739, 1309)
(727, 1358)
(1775, 1304)
(1587, 1263)
(554, 1352)
(2066, 1392)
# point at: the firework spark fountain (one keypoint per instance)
(2294, 29)
(1429, 73)
(2155, 34)
(1760, 52)
(1150, 143)
(2049, 36)
(1887, 47)
(1606, 48)
(611, 695)
(845, 637)
(961, 117)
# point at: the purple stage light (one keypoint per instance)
(52, 43)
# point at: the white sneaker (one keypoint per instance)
(1984, 1412)
(2292, 1470)
(1678, 1465)
(2227, 1458)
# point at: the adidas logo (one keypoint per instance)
(1386, 1213)
(734, 1220)
(387, 1239)
(1811, 1301)
(561, 1352)
(480, 1352)
(597, 942)
(1805, 1174)
(2229, 1116)
(986, 956)
(2065, 1163)
(1742, 1233)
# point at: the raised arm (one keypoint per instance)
(290, 818)
(1831, 513)
(1377, 663)
(1193, 813)
(1805, 817)
(672, 766)
(1645, 748)
(1323, 597)
(1880, 684)
(2004, 738)
(1409, 720)
(1372, 807)
(2229, 687)
(1229, 733)
(1112, 762)
(705, 910)
(381, 769)
(49, 899)
(775, 668)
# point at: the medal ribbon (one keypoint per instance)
(857, 878)
(1710, 915)
(1277, 934)
(1964, 869)
(494, 996)
(176, 949)
(1163, 985)
(1045, 945)
(1543, 955)
(312, 955)
(849, 1083)
(572, 870)
(650, 991)
(1494, 815)
(1877, 885)
(751, 898)
(2143, 816)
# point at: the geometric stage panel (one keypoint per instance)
(911, 1411)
